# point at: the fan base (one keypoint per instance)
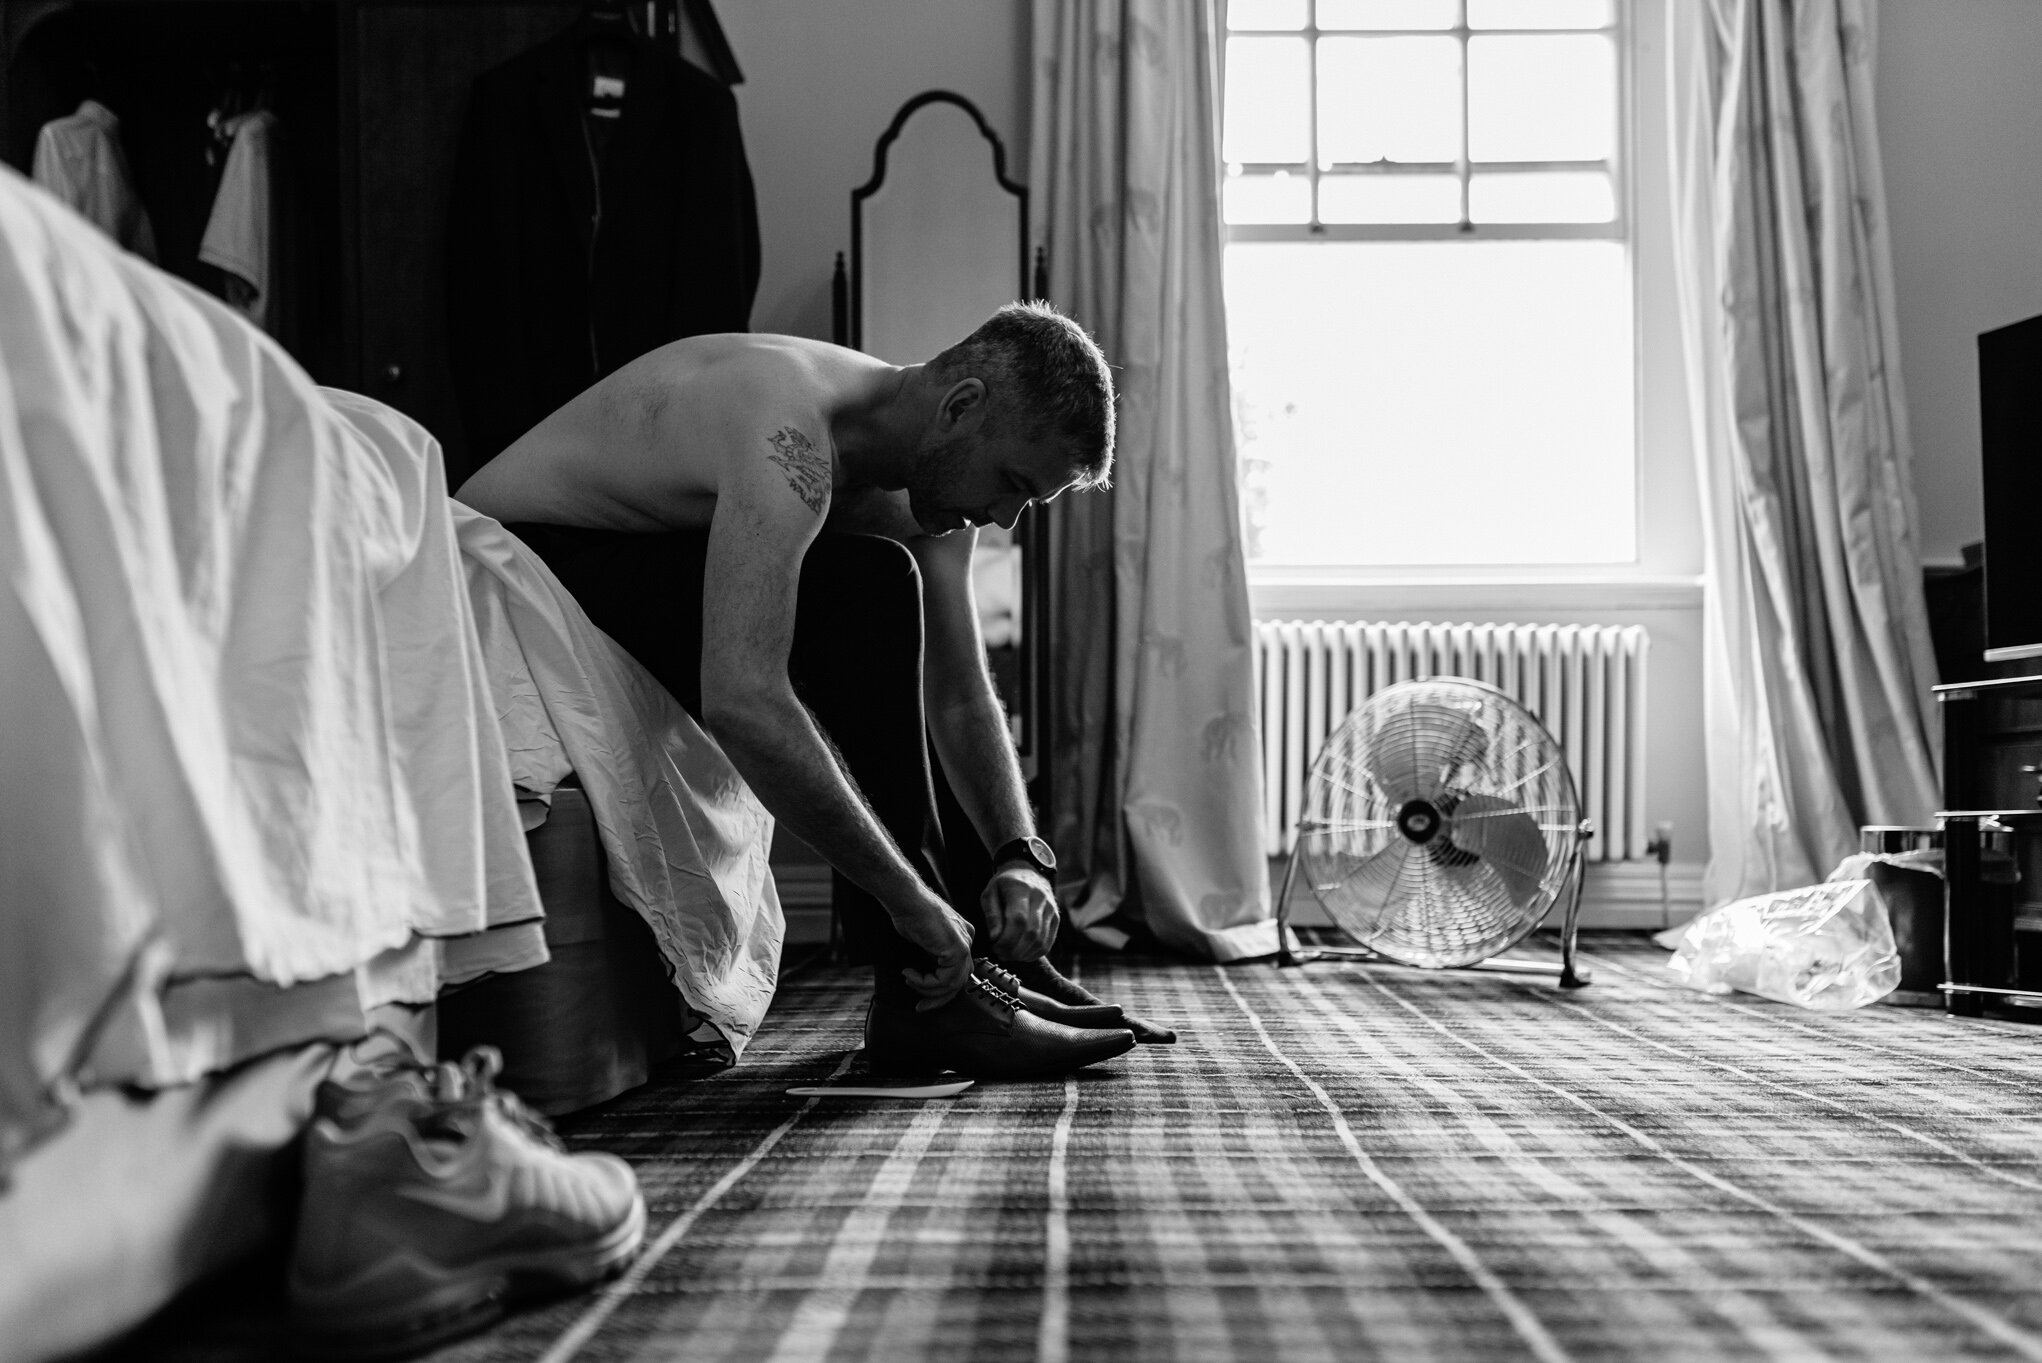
(1568, 975)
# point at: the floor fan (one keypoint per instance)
(1440, 827)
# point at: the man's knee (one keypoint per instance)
(873, 558)
(862, 577)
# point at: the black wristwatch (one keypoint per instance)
(1033, 851)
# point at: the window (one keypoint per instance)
(1429, 285)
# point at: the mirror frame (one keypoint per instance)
(856, 320)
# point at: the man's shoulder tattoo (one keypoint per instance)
(807, 468)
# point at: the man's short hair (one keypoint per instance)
(1045, 378)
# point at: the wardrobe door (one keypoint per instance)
(414, 65)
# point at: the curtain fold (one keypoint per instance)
(1817, 650)
(1155, 778)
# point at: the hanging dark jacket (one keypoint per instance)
(558, 274)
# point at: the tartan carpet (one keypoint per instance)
(1346, 1161)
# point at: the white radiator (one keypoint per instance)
(1585, 682)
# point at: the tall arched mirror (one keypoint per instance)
(938, 234)
(939, 239)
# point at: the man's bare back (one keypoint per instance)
(648, 448)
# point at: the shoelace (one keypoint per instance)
(996, 994)
(469, 1084)
(368, 1085)
(998, 976)
(473, 1081)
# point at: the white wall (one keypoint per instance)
(823, 78)
(1960, 125)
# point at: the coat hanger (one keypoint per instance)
(239, 88)
(92, 82)
(607, 33)
(262, 94)
(606, 22)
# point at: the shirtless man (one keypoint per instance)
(781, 531)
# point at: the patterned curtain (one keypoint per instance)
(1155, 781)
(1816, 639)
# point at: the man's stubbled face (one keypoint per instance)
(982, 479)
(937, 486)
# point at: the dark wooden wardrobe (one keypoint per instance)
(371, 97)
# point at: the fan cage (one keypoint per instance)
(1479, 767)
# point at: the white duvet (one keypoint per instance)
(252, 779)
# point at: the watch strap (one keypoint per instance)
(1023, 850)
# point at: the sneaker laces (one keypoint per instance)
(472, 1082)
(449, 1089)
(372, 1083)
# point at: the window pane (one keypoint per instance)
(1536, 13)
(1389, 198)
(1542, 99)
(1388, 13)
(1268, 89)
(1434, 402)
(1389, 99)
(1558, 196)
(1280, 197)
(1266, 14)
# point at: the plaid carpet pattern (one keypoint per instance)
(1346, 1162)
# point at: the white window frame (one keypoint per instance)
(1666, 570)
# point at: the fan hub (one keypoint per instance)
(1418, 821)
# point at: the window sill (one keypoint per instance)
(1283, 593)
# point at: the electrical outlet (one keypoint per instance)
(1661, 846)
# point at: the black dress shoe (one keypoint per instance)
(984, 1032)
(1043, 1006)
(1045, 979)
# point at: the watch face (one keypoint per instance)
(1027, 849)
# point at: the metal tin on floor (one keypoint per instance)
(1893, 839)
(1913, 896)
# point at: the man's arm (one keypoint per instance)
(972, 742)
(772, 496)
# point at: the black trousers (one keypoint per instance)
(856, 663)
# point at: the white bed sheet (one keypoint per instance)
(246, 738)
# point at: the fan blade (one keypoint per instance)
(1504, 835)
(1448, 913)
(1411, 752)
(1365, 886)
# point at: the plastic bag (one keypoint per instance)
(1828, 946)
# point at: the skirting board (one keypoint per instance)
(1614, 894)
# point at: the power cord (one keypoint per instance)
(1661, 850)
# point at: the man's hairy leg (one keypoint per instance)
(855, 663)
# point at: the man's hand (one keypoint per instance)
(1020, 912)
(941, 931)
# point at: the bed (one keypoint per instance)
(277, 719)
